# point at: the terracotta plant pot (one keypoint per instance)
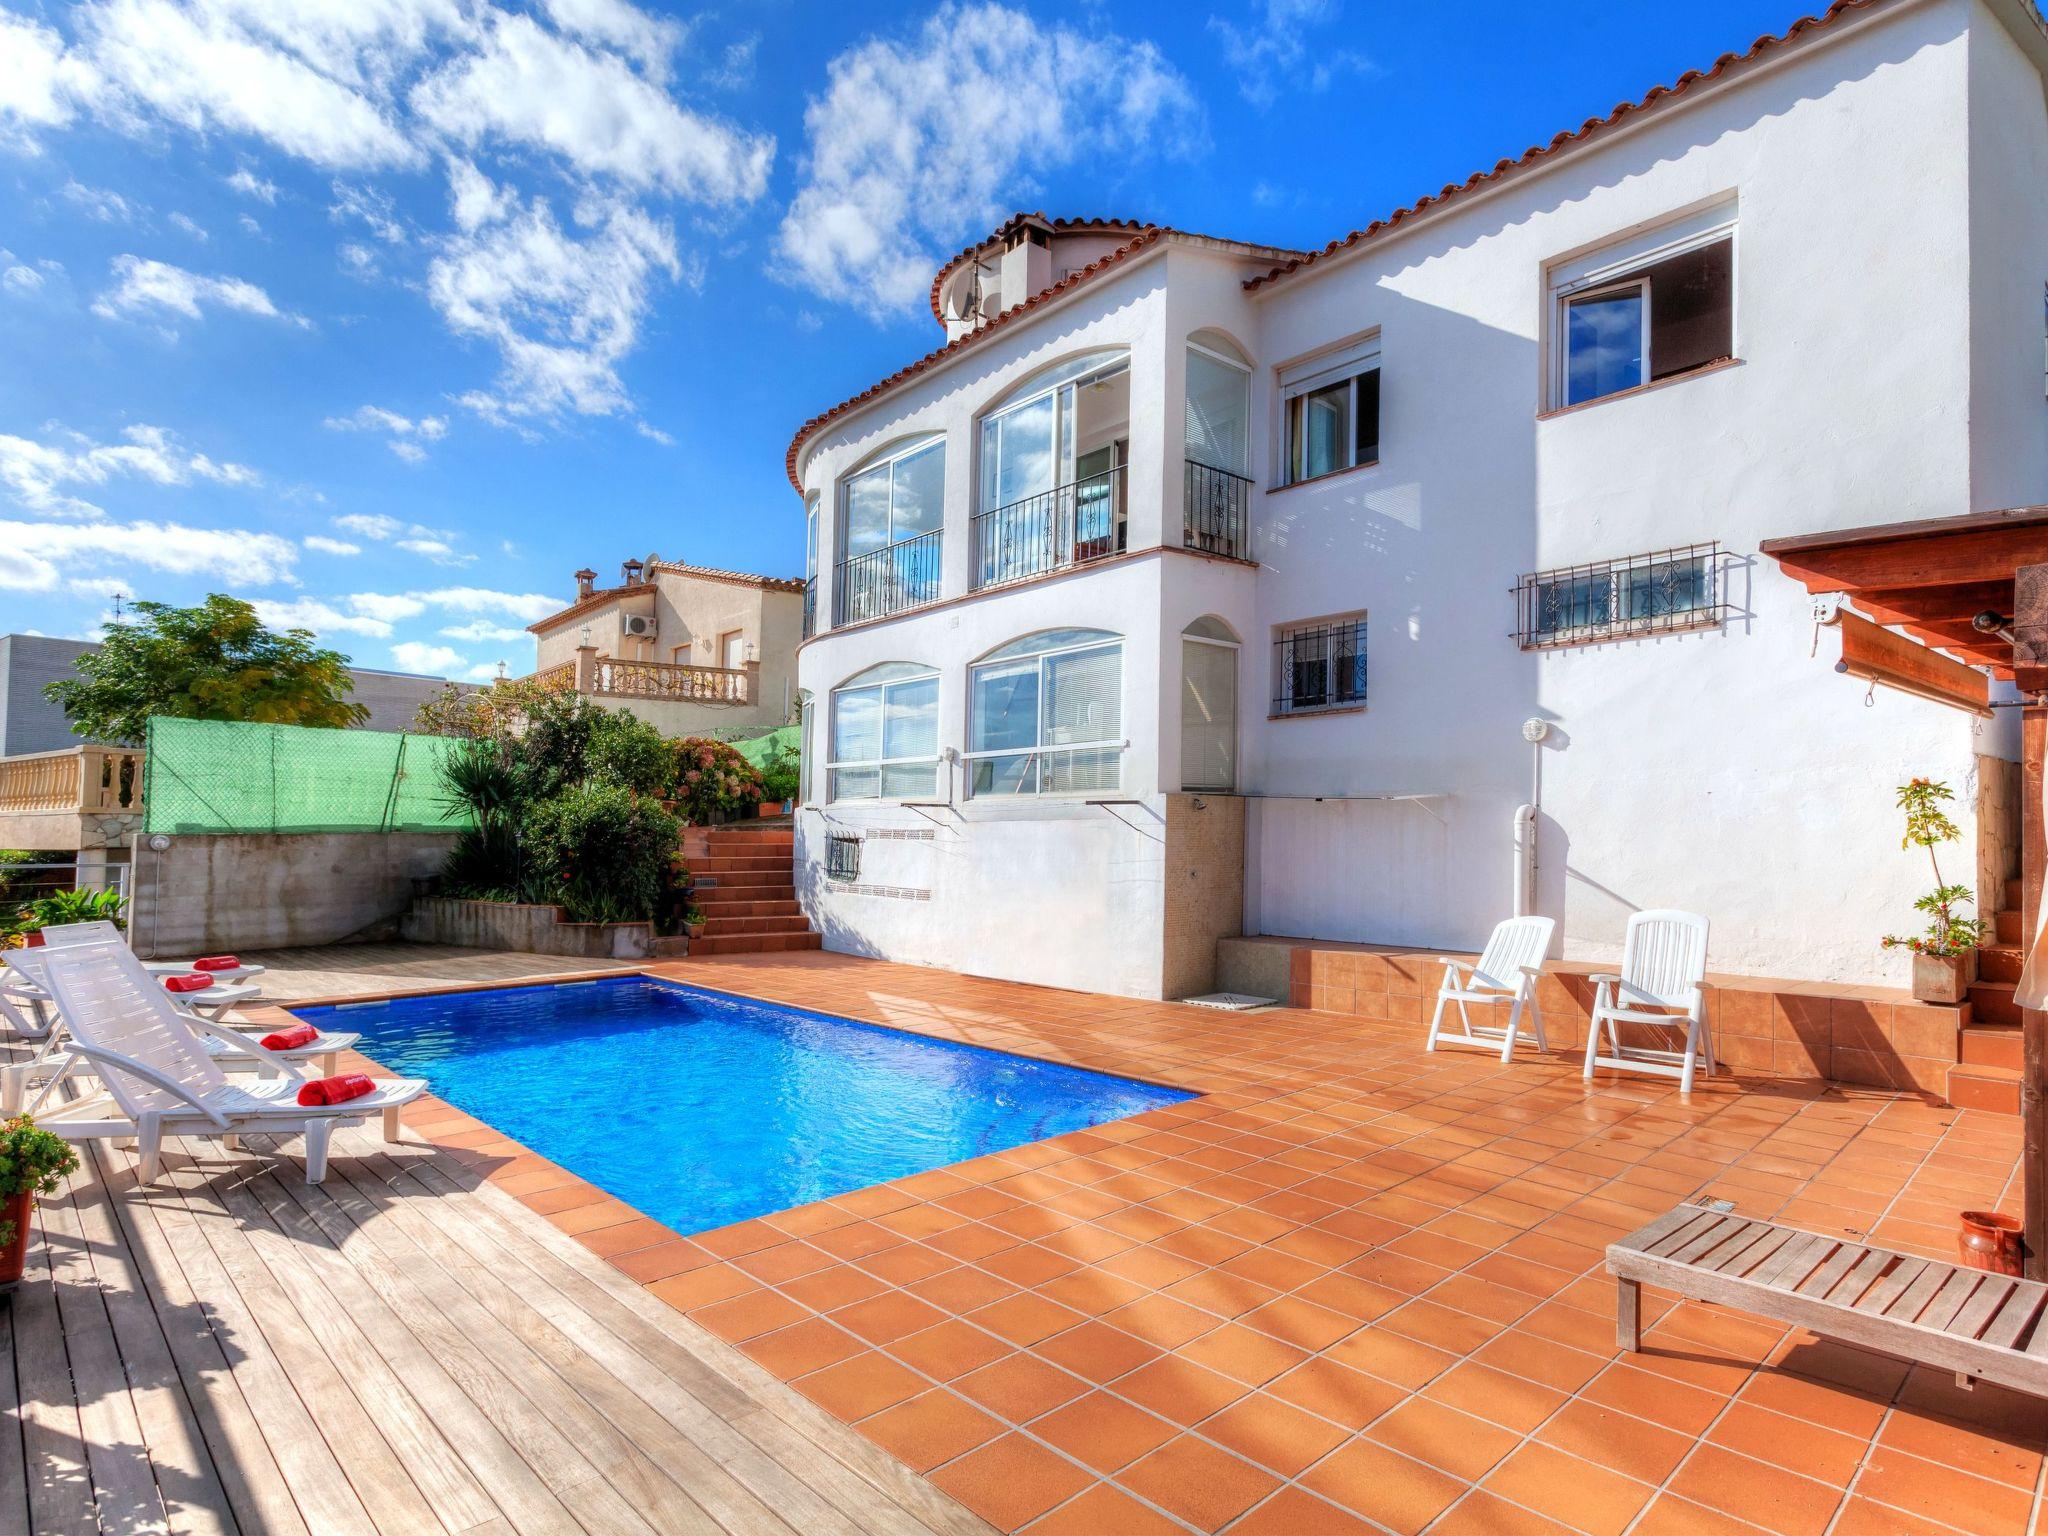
(1944, 978)
(1990, 1240)
(32, 939)
(14, 1254)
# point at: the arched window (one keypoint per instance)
(885, 734)
(891, 512)
(1053, 457)
(1208, 705)
(1045, 715)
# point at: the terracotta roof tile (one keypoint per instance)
(1061, 226)
(607, 595)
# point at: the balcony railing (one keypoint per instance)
(666, 680)
(94, 781)
(1216, 512)
(1067, 525)
(903, 575)
(810, 607)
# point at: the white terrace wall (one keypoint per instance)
(1729, 772)
(207, 895)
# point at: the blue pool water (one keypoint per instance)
(700, 1109)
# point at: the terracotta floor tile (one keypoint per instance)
(929, 1429)
(961, 1290)
(702, 1286)
(1864, 1517)
(888, 1316)
(1020, 1387)
(1754, 1491)
(1825, 1455)
(1103, 1511)
(1202, 1485)
(827, 1290)
(1937, 1492)
(1460, 1444)
(1097, 1351)
(1252, 1357)
(1275, 1434)
(784, 1261)
(661, 1261)
(1103, 1431)
(1964, 1447)
(1011, 1480)
(1336, 1392)
(1383, 1485)
(1391, 1357)
(867, 1383)
(1180, 1390)
(1851, 1413)
(1300, 1323)
(1024, 1319)
(1588, 1497)
(1632, 1446)
(1481, 1514)
(950, 1349)
(1670, 1515)
(1297, 1512)
(1513, 1402)
(746, 1316)
(1161, 1321)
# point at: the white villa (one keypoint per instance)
(1196, 587)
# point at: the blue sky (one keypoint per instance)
(388, 314)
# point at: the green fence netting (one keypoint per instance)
(758, 749)
(228, 776)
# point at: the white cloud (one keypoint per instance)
(249, 184)
(418, 656)
(405, 435)
(736, 65)
(371, 525)
(250, 226)
(101, 586)
(1275, 52)
(474, 198)
(563, 311)
(190, 226)
(107, 207)
(22, 280)
(485, 671)
(440, 551)
(524, 605)
(43, 554)
(392, 607)
(376, 210)
(36, 80)
(916, 143)
(34, 474)
(479, 630)
(149, 289)
(321, 618)
(649, 41)
(320, 543)
(525, 86)
(358, 260)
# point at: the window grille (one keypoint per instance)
(842, 857)
(1659, 593)
(1320, 666)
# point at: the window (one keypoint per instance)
(1218, 409)
(1053, 470)
(1673, 589)
(1208, 706)
(842, 857)
(889, 556)
(1658, 307)
(1332, 406)
(1320, 666)
(885, 734)
(1046, 715)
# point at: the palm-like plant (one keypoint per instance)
(482, 778)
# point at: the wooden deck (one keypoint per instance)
(401, 1350)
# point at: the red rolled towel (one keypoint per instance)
(216, 963)
(290, 1039)
(337, 1090)
(187, 983)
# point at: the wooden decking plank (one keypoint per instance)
(1732, 1244)
(326, 1499)
(1913, 1300)
(1949, 1300)
(1849, 1290)
(1836, 1265)
(1670, 1224)
(60, 1489)
(1759, 1248)
(1793, 1263)
(13, 1459)
(2021, 1308)
(255, 1487)
(1879, 1298)
(510, 1483)
(783, 1427)
(712, 1497)
(187, 1480)
(1983, 1303)
(1705, 1239)
(553, 1429)
(383, 1386)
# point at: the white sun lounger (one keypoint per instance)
(93, 932)
(160, 1081)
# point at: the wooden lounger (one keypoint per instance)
(1963, 1320)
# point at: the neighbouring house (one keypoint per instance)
(691, 650)
(1195, 587)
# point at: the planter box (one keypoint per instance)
(1943, 978)
(540, 930)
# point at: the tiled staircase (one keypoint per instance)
(744, 882)
(1987, 1070)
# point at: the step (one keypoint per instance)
(756, 944)
(720, 926)
(1991, 1003)
(1996, 1089)
(2000, 962)
(2012, 896)
(722, 863)
(2008, 924)
(745, 879)
(733, 906)
(759, 838)
(1991, 1045)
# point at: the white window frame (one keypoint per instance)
(1243, 369)
(1346, 364)
(1236, 649)
(1040, 750)
(1612, 267)
(880, 763)
(1064, 385)
(888, 460)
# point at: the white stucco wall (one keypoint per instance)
(1728, 771)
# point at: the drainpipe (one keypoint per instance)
(1533, 732)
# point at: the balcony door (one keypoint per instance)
(1053, 469)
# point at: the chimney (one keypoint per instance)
(1026, 261)
(586, 583)
(629, 573)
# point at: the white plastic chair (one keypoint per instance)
(1663, 962)
(160, 1081)
(100, 929)
(1508, 970)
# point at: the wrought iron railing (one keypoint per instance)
(810, 607)
(1067, 525)
(903, 575)
(1658, 593)
(1216, 511)
(1320, 667)
(665, 680)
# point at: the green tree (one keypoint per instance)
(213, 662)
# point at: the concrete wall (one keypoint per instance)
(211, 894)
(394, 698)
(28, 721)
(524, 928)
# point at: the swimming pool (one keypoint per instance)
(700, 1109)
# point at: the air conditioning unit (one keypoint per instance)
(639, 626)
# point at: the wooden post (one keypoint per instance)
(2030, 674)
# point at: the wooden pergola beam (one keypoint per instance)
(1945, 560)
(1904, 605)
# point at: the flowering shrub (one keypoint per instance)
(601, 853)
(712, 782)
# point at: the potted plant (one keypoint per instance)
(32, 1162)
(1945, 956)
(781, 774)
